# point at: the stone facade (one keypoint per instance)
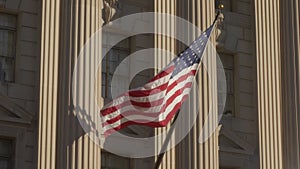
(239, 133)
(257, 38)
(20, 95)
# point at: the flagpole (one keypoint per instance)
(170, 132)
(166, 142)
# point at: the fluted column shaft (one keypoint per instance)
(269, 84)
(189, 154)
(205, 155)
(164, 24)
(66, 26)
(48, 84)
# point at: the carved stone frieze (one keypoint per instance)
(109, 10)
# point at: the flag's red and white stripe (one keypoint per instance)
(154, 104)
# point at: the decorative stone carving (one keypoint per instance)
(221, 33)
(109, 10)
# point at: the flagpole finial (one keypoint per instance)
(221, 6)
(220, 16)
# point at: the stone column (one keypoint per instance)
(166, 25)
(205, 155)
(267, 23)
(50, 14)
(290, 28)
(66, 26)
(189, 153)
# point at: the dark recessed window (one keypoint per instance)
(109, 64)
(8, 34)
(6, 153)
(228, 64)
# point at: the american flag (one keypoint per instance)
(156, 103)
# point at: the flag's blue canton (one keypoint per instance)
(192, 54)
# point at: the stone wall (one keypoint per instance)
(24, 88)
(239, 135)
